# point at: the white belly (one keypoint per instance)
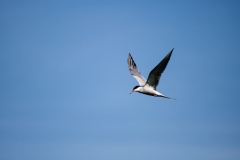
(150, 91)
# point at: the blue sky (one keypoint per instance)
(65, 84)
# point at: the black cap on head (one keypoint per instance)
(136, 87)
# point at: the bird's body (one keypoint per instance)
(148, 90)
(148, 86)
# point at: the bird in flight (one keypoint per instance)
(148, 86)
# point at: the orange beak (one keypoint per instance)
(132, 91)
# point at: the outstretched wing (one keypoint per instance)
(155, 75)
(134, 71)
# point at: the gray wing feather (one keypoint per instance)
(135, 72)
(155, 75)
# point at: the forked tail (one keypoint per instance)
(168, 97)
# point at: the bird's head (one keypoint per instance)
(135, 89)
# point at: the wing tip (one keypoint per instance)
(170, 53)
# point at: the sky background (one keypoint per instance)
(65, 84)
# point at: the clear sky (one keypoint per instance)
(65, 84)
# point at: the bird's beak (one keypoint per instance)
(132, 92)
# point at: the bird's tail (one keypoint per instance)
(168, 97)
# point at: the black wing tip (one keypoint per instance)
(129, 56)
(171, 51)
(131, 62)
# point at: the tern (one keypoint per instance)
(148, 86)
